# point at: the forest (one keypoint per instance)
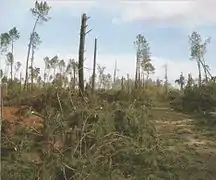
(61, 125)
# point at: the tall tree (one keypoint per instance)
(195, 42)
(10, 62)
(94, 67)
(146, 64)
(14, 35)
(203, 50)
(143, 59)
(40, 12)
(35, 42)
(4, 42)
(138, 42)
(81, 52)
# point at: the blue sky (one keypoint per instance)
(165, 24)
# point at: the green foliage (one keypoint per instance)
(109, 135)
(195, 99)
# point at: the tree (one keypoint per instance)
(198, 50)
(10, 62)
(4, 42)
(14, 35)
(195, 40)
(72, 70)
(181, 81)
(81, 52)
(100, 70)
(138, 42)
(36, 72)
(35, 42)
(61, 66)
(146, 64)
(17, 67)
(106, 81)
(203, 49)
(47, 67)
(54, 64)
(143, 59)
(40, 12)
(190, 81)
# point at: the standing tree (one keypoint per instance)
(47, 67)
(54, 64)
(143, 59)
(190, 81)
(138, 42)
(101, 70)
(10, 63)
(81, 52)
(35, 42)
(147, 66)
(94, 67)
(4, 42)
(195, 42)
(61, 66)
(14, 35)
(40, 12)
(17, 68)
(166, 78)
(72, 70)
(181, 81)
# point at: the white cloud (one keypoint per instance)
(156, 11)
(181, 12)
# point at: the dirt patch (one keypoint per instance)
(15, 116)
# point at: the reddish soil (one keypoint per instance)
(21, 116)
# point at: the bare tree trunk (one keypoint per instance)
(94, 66)
(166, 79)
(81, 53)
(137, 76)
(1, 102)
(12, 60)
(122, 83)
(74, 77)
(200, 75)
(147, 80)
(28, 53)
(32, 76)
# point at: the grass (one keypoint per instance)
(96, 139)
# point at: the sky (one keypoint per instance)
(165, 24)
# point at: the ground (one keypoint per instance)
(21, 116)
(185, 134)
(192, 143)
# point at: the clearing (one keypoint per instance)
(188, 138)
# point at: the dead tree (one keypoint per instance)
(81, 52)
(166, 79)
(94, 66)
